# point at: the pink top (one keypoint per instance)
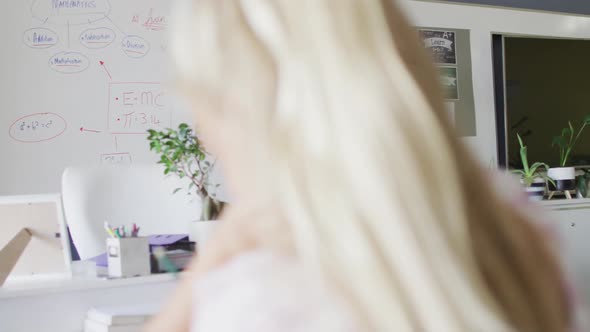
(260, 291)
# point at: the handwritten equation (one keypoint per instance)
(37, 127)
(122, 158)
(78, 35)
(152, 21)
(136, 107)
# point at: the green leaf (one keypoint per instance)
(518, 171)
(535, 166)
(176, 155)
(520, 140)
(528, 180)
(180, 149)
(524, 159)
(559, 141)
(550, 180)
(182, 133)
(582, 185)
(176, 190)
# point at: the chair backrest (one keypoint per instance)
(123, 195)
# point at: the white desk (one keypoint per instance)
(570, 220)
(61, 305)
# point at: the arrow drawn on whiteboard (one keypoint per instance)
(105, 69)
(82, 129)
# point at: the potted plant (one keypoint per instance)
(534, 181)
(182, 153)
(564, 175)
(582, 181)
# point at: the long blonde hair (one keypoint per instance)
(341, 105)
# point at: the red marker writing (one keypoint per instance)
(105, 69)
(82, 129)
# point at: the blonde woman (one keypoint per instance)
(356, 207)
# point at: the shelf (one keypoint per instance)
(63, 285)
(566, 204)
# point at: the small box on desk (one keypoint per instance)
(179, 250)
(128, 256)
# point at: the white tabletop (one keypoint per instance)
(56, 284)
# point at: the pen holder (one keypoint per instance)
(128, 257)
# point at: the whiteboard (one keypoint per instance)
(82, 81)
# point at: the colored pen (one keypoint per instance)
(108, 229)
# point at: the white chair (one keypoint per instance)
(123, 195)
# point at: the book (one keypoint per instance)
(122, 315)
(94, 326)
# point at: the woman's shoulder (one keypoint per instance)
(264, 291)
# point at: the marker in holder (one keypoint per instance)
(128, 256)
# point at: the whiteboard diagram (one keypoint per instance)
(96, 69)
(80, 12)
(133, 108)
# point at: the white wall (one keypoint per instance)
(483, 22)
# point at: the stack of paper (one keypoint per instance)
(118, 319)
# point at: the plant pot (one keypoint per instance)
(200, 231)
(536, 191)
(564, 177)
